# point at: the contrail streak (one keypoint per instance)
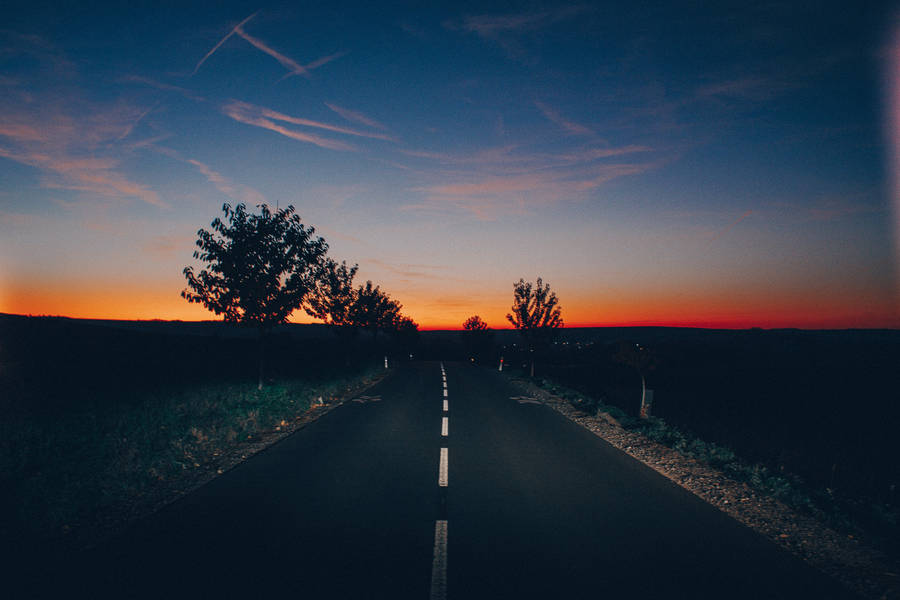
(730, 227)
(286, 62)
(315, 64)
(237, 28)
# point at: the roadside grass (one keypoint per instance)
(850, 515)
(71, 470)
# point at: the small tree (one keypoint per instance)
(536, 314)
(477, 337)
(406, 334)
(474, 323)
(260, 268)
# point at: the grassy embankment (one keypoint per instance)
(66, 473)
(84, 449)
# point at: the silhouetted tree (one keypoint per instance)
(536, 314)
(260, 268)
(474, 323)
(641, 359)
(406, 334)
(333, 297)
(373, 309)
(477, 338)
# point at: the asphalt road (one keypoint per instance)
(356, 505)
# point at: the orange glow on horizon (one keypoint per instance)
(91, 300)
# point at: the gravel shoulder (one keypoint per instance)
(850, 560)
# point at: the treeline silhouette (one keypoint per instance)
(259, 268)
(52, 364)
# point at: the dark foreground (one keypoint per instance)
(535, 507)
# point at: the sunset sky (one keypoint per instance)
(712, 164)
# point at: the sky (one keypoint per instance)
(710, 164)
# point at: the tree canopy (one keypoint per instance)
(536, 314)
(535, 307)
(478, 339)
(474, 323)
(333, 297)
(261, 267)
(373, 309)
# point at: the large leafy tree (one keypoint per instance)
(374, 309)
(334, 294)
(260, 267)
(536, 314)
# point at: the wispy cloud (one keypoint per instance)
(830, 208)
(554, 116)
(355, 117)
(410, 270)
(92, 175)
(482, 209)
(165, 246)
(162, 86)
(246, 113)
(511, 159)
(730, 227)
(492, 26)
(506, 29)
(269, 113)
(21, 132)
(236, 191)
(265, 117)
(497, 182)
(73, 143)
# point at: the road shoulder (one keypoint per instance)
(851, 561)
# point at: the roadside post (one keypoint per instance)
(385, 362)
(646, 404)
(501, 365)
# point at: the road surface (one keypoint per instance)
(439, 485)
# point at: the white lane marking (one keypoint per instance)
(439, 562)
(367, 399)
(445, 393)
(445, 426)
(445, 385)
(446, 408)
(442, 471)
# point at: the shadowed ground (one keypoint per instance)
(345, 508)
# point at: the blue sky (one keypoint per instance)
(712, 163)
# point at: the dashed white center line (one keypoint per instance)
(446, 407)
(439, 562)
(445, 393)
(442, 470)
(445, 426)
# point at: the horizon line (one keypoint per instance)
(436, 328)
